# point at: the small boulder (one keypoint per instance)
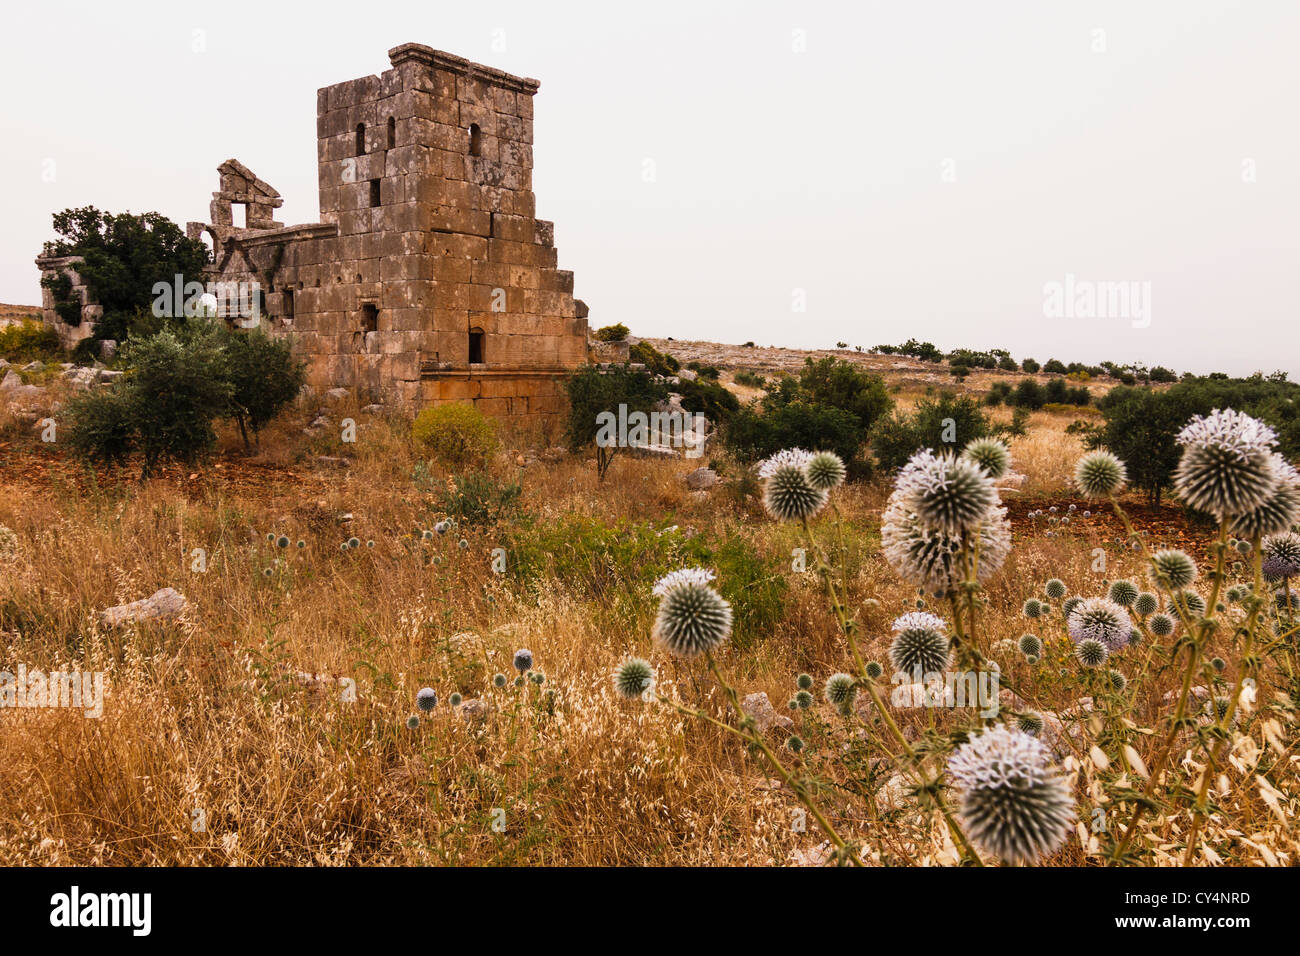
(764, 715)
(337, 394)
(475, 709)
(701, 479)
(162, 605)
(11, 380)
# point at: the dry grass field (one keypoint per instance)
(268, 724)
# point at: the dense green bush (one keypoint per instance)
(456, 434)
(479, 498)
(946, 422)
(1055, 366)
(27, 340)
(612, 333)
(656, 362)
(707, 398)
(265, 375)
(925, 351)
(750, 379)
(124, 256)
(594, 390)
(1029, 366)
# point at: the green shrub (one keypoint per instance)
(656, 362)
(1029, 366)
(752, 434)
(1055, 366)
(265, 377)
(478, 498)
(708, 398)
(612, 333)
(28, 340)
(102, 425)
(946, 422)
(1028, 394)
(456, 434)
(750, 379)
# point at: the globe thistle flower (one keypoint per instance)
(354, 542)
(537, 677)
(1030, 645)
(1134, 637)
(931, 558)
(282, 541)
(426, 535)
(919, 643)
(1281, 555)
(788, 492)
(463, 544)
(1030, 722)
(803, 700)
(1227, 468)
(1054, 589)
(442, 527)
(1234, 594)
(949, 495)
(499, 680)
(455, 700)
(1161, 625)
(1219, 664)
(693, 618)
(841, 691)
(1145, 604)
(804, 682)
(522, 660)
(1172, 570)
(1123, 593)
(1032, 608)
(786, 458)
(1100, 474)
(795, 744)
(1217, 709)
(413, 722)
(826, 471)
(1243, 547)
(1069, 604)
(1091, 653)
(1278, 512)
(1101, 620)
(1189, 602)
(991, 455)
(301, 544)
(1013, 802)
(1116, 681)
(267, 572)
(874, 670)
(426, 699)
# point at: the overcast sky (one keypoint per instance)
(895, 169)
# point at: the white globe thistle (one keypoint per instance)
(931, 558)
(633, 677)
(1099, 474)
(948, 494)
(1099, 619)
(1279, 511)
(920, 643)
(1013, 802)
(787, 458)
(1228, 466)
(991, 455)
(1281, 555)
(790, 495)
(693, 618)
(826, 470)
(1172, 570)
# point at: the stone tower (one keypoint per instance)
(429, 277)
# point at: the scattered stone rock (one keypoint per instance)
(552, 454)
(336, 394)
(765, 716)
(11, 380)
(108, 376)
(373, 409)
(688, 375)
(34, 366)
(701, 479)
(819, 855)
(894, 794)
(82, 378)
(333, 461)
(107, 349)
(160, 606)
(475, 709)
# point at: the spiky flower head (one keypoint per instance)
(1161, 625)
(1030, 645)
(426, 699)
(789, 494)
(1281, 555)
(455, 699)
(1279, 511)
(1218, 708)
(1069, 604)
(693, 618)
(804, 682)
(874, 669)
(950, 495)
(803, 700)
(795, 744)
(1032, 608)
(523, 659)
(1172, 570)
(1219, 664)
(282, 541)
(413, 722)
(1116, 681)
(826, 470)
(1235, 594)
(919, 644)
(499, 680)
(1091, 653)
(354, 542)
(1227, 468)
(1101, 620)
(931, 558)
(786, 458)
(1123, 593)
(1145, 604)
(633, 677)
(1013, 802)
(1189, 602)
(1100, 474)
(991, 455)
(841, 691)
(1030, 722)
(1054, 589)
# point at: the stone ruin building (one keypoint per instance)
(429, 278)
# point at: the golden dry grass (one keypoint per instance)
(209, 718)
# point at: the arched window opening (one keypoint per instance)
(475, 140)
(361, 139)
